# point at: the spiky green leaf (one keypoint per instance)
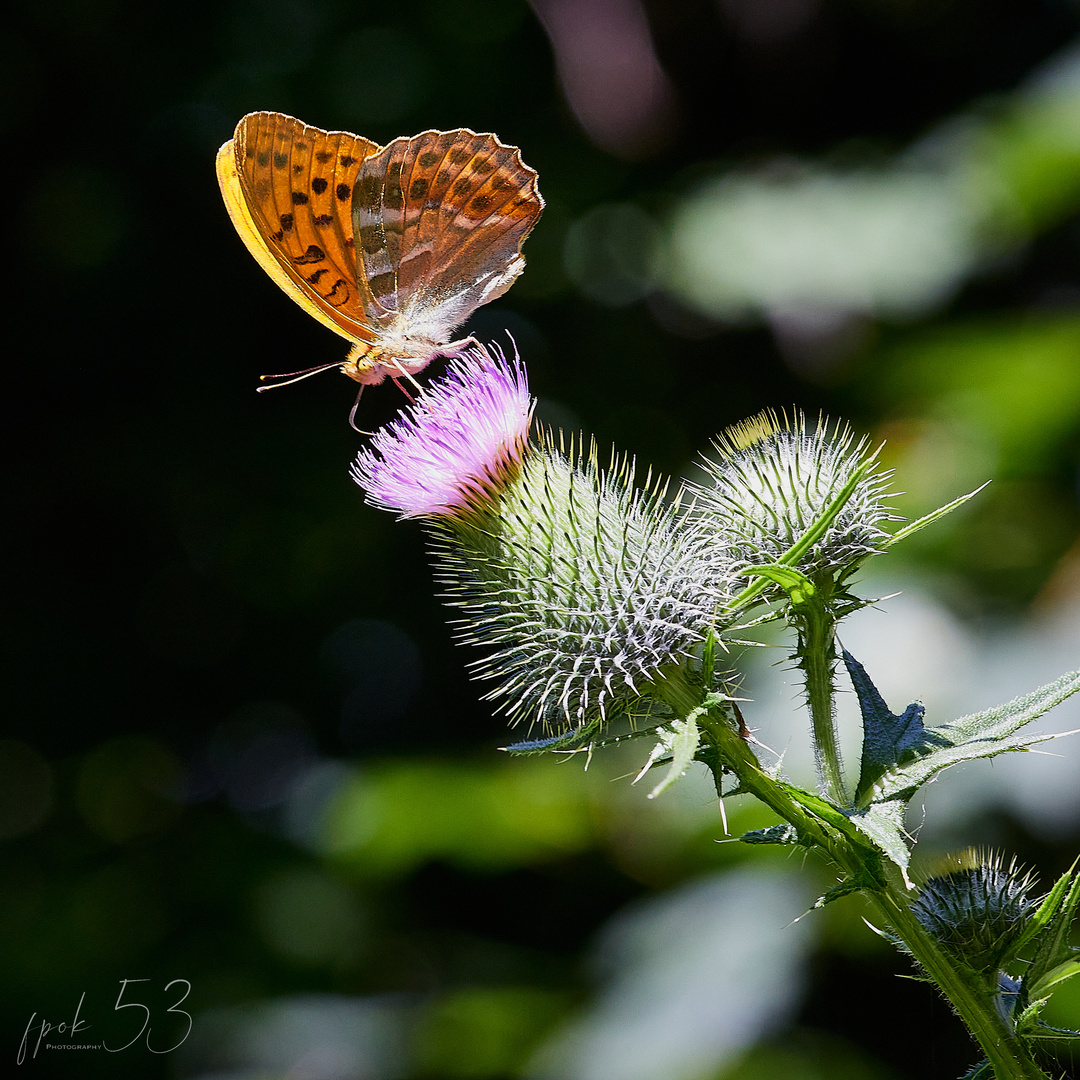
(929, 519)
(888, 739)
(883, 823)
(1049, 907)
(981, 735)
(679, 742)
(783, 833)
(1052, 947)
(1056, 976)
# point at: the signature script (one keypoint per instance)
(38, 1029)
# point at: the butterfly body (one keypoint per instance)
(391, 247)
(369, 363)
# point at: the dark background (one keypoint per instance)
(199, 606)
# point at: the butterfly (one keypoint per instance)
(391, 247)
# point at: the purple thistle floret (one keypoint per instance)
(457, 446)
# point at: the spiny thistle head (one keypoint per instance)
(772, 479)
(976, 906)
(583, 589)
(460, 443)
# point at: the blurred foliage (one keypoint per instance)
(240, 748)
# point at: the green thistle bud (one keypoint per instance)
(587, 589)
(976, 907)
(773, 479)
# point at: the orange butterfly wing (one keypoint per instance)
(288, 189)
(440, 220)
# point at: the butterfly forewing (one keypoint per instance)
(298, 183)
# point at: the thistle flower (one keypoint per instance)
(461, 442)
(773, 479)
(976, 907)
(591, 590)
(583, 590)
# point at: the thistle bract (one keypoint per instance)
(586, 589)
(460, 442)
(772, 480)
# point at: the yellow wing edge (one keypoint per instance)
(231, 191)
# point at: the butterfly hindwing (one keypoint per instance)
(486, 216)
(441, 218)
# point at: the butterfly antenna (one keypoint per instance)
(291, 377)
(352, 414)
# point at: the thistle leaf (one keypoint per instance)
(888, 739)
(679, 740)
(1055, 976)
(783, 833)
(795, 583)
(1049, 907)
(575, 739)
(883, 823)
(929, 519)
(980, 735)
(1052, 949)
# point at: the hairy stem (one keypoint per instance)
(972, 1001)
(817, 656)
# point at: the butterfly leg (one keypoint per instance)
(456, 348)
(404, 374)
(394, 379)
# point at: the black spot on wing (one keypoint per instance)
(368, 193)
(382, 284)
(372, 238)
(319, 185)
(339, 294)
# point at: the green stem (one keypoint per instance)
(973, 1003)
(817, 653)
(971, 1000)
